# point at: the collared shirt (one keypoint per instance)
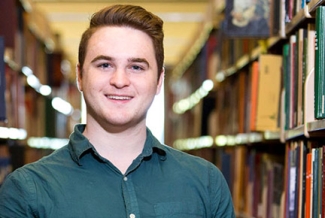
(75, 182)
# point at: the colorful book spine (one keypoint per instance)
(315, 156)
(286, 79)
(253, 97)
(309, 176)
(320, 63)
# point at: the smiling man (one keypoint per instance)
(113, 166)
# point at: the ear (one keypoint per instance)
(79, 77)
(160, 81)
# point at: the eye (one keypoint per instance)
(104, 65)
(137, 67)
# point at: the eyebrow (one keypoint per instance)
(101, 57)
(139, 60)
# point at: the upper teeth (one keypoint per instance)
(120, 97)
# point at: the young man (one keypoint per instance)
(113, 166)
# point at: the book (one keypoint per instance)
(250, 173)
(242, 99)
(277, 18)
(3, 115)
(257, 188)
(268, 97)
(320, 63)
(319, 178)
(309, 82)
(293, 82)
(271, 184)
(301, 35)
(277, 184)
(288, 10)
(287, 179)
(309, 176)
(292, 183)
(301, 179)
(323, 183)
(311, 39)
(238, 177)
(286, 83)
(315, 158)
(253, 94)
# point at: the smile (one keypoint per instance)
(115, 97)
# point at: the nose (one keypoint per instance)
(119, 79)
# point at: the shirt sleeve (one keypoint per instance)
(16, 196)
(221, 200)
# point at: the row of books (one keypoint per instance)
(255, 178)
(304, 179)
(33, 47)
(272, 180)
(252, 97)
(292, 8)
(303, 71)
(280, 88)
(249, 100)
(26, 42)
(266, 184)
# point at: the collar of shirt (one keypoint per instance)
(79, 145)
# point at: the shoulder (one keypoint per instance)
(203, 174)
(183, 156)
(18, 193)
(43, 166)
(190, 162)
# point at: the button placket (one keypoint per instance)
(131, 202)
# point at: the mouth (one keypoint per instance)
(119, 97)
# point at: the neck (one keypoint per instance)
(120, 148)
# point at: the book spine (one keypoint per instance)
(320, 63)
(253, 97)
(293, 79)
(308, 185)
(2, 82)
(315, 183)
(286, 79)
(323, 184)
(319, 177)
(292, 183)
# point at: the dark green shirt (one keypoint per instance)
(75, 182)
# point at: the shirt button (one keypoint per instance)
(126, 179)
(132, 215)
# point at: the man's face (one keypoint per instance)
(120, 77)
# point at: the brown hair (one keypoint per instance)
(126, 15)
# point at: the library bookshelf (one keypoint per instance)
(260, 118)
(34, 71)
